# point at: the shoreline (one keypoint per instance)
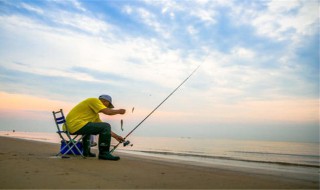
(32, 164)
(248, 168)
(224, 158)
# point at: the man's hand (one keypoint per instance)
(119, 139)
(108, 111)
(122, 111)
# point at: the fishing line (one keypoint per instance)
(125, 143)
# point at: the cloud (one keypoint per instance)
(53, 54)
(149, 19)
(78, 5)
(82, 22)
(126, 55)
(192, 31)
(282, 20)
(207, 16)
(74, 3)
(127, 9)
(243, 53)
(202, 10)
(32, 8)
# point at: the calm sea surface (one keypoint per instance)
(286, 155)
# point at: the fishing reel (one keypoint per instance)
(126, 143)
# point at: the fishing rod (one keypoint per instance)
(125, 143)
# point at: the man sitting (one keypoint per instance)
(84, 119)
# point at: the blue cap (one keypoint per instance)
(108, 98)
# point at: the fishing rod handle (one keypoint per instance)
(114, 148)
(125, 143)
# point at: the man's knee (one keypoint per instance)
(106, 128)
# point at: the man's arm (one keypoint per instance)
(108, 111)
(117, 137)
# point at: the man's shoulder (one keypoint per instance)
(91, 99)
(94, 103)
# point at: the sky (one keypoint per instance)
(258, 77)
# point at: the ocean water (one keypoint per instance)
(289, 156)
(281, 153)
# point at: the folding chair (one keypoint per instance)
(69, 141)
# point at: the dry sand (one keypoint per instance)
(32, 165)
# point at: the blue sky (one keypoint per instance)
(259, 77)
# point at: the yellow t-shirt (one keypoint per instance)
(83, 113)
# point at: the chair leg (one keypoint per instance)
(78, 141)
(66, 148)
(69, 148)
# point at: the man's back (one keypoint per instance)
(86, 111)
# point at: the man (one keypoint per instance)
(84, 119)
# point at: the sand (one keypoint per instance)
(32, 165)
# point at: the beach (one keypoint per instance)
(33, 165)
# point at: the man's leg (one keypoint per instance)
(86, 146)
(87, 131)
(104, 131)
(92, 141)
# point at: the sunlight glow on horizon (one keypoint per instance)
(255, 111)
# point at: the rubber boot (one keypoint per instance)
(104, 146)
(86, 147)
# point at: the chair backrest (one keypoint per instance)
(68, 144)
(59, 119)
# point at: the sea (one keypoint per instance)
(297, 157)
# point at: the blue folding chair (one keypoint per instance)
(70, 144)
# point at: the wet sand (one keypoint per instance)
(32, 165)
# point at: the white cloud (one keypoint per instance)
(276, 22)
(146, 17)
(282, 6)
(280, 20)
(166, 10)
(243, 52)
(240, 75)
(78, 5)
(206, 15)
(127, 9)
(62, 49)
(80, 21)
(191, 29)
(75, 3)
(150, 19)
(201, 9)
(54, 51)
(202, 2)
(166, 5)
(32, 8)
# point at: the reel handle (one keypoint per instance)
(126, 143)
